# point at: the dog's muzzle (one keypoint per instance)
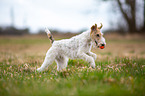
(102, 46)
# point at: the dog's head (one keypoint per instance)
(97, 36)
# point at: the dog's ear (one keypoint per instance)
(100, 26)
(94, 27)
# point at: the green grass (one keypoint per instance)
(123, 77)
(116, 76)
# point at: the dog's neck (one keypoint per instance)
(87, 35)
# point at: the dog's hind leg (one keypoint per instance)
(61, 62)
(50, 57)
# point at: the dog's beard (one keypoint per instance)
(96, 43)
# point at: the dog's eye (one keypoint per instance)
(98, 35)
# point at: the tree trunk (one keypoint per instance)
(143, 29)
(132, 27)
(131, 22)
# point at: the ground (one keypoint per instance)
(120, 69)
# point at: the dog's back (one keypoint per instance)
(71, 47)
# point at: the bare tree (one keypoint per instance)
(128, 9)
(129, 14)
(143, 29)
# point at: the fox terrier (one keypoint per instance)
(77, 47)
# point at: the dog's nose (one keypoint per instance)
(103, 44)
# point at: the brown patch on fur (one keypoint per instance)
(50, 37)
(94, 27)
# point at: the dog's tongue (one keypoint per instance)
(101, 47)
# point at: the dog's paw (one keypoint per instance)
(93, 66)
(38, 70)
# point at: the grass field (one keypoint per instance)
(120, 69)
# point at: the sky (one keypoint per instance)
(62, 15)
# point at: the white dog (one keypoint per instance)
(76, 47)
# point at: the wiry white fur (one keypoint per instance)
(76, 47)
(47, 31)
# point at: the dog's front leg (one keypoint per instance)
(92, 54)
(87, 58)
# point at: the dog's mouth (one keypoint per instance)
(102, 46)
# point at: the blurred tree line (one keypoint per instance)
(13, 31)
(129, 11)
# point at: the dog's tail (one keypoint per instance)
(49, 35)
